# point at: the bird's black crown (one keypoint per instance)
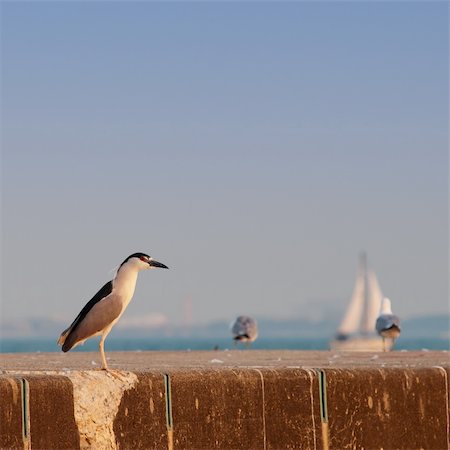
(135, 255)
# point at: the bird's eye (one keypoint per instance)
(143, 258)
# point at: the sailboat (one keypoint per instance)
(357, 329)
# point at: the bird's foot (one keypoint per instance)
(114, 373)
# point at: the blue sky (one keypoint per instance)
(253, 147)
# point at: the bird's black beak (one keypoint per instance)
(153, 263)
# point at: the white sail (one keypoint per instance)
(374, 299)
(352, 319)
(357, 330)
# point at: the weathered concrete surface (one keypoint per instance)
(51, 398)
(228, 400)
(224, 410)
(142, 361)
(387, 408)
(141, 418)
(292, 411)
(96, 403)
(10, 413)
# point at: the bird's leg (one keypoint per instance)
(114, 373)
(384, 344)
(102, 353)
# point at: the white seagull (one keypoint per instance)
(108, 304)
(244, 329)
(388, 324)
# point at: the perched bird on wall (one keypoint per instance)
(388, 324)
(108, 304)
(244, 329)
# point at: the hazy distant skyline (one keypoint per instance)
(255, 148)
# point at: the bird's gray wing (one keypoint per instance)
(101, 294)
(237, 327)
(99, 317)
(243, 326)
(395, 320)
(386, 321)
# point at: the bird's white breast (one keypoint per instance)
(124, 284)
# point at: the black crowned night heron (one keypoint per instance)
(388, 324)
(244, 329)
(108, 304)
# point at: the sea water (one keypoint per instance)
(10, 345)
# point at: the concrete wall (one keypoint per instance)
(227, 408)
